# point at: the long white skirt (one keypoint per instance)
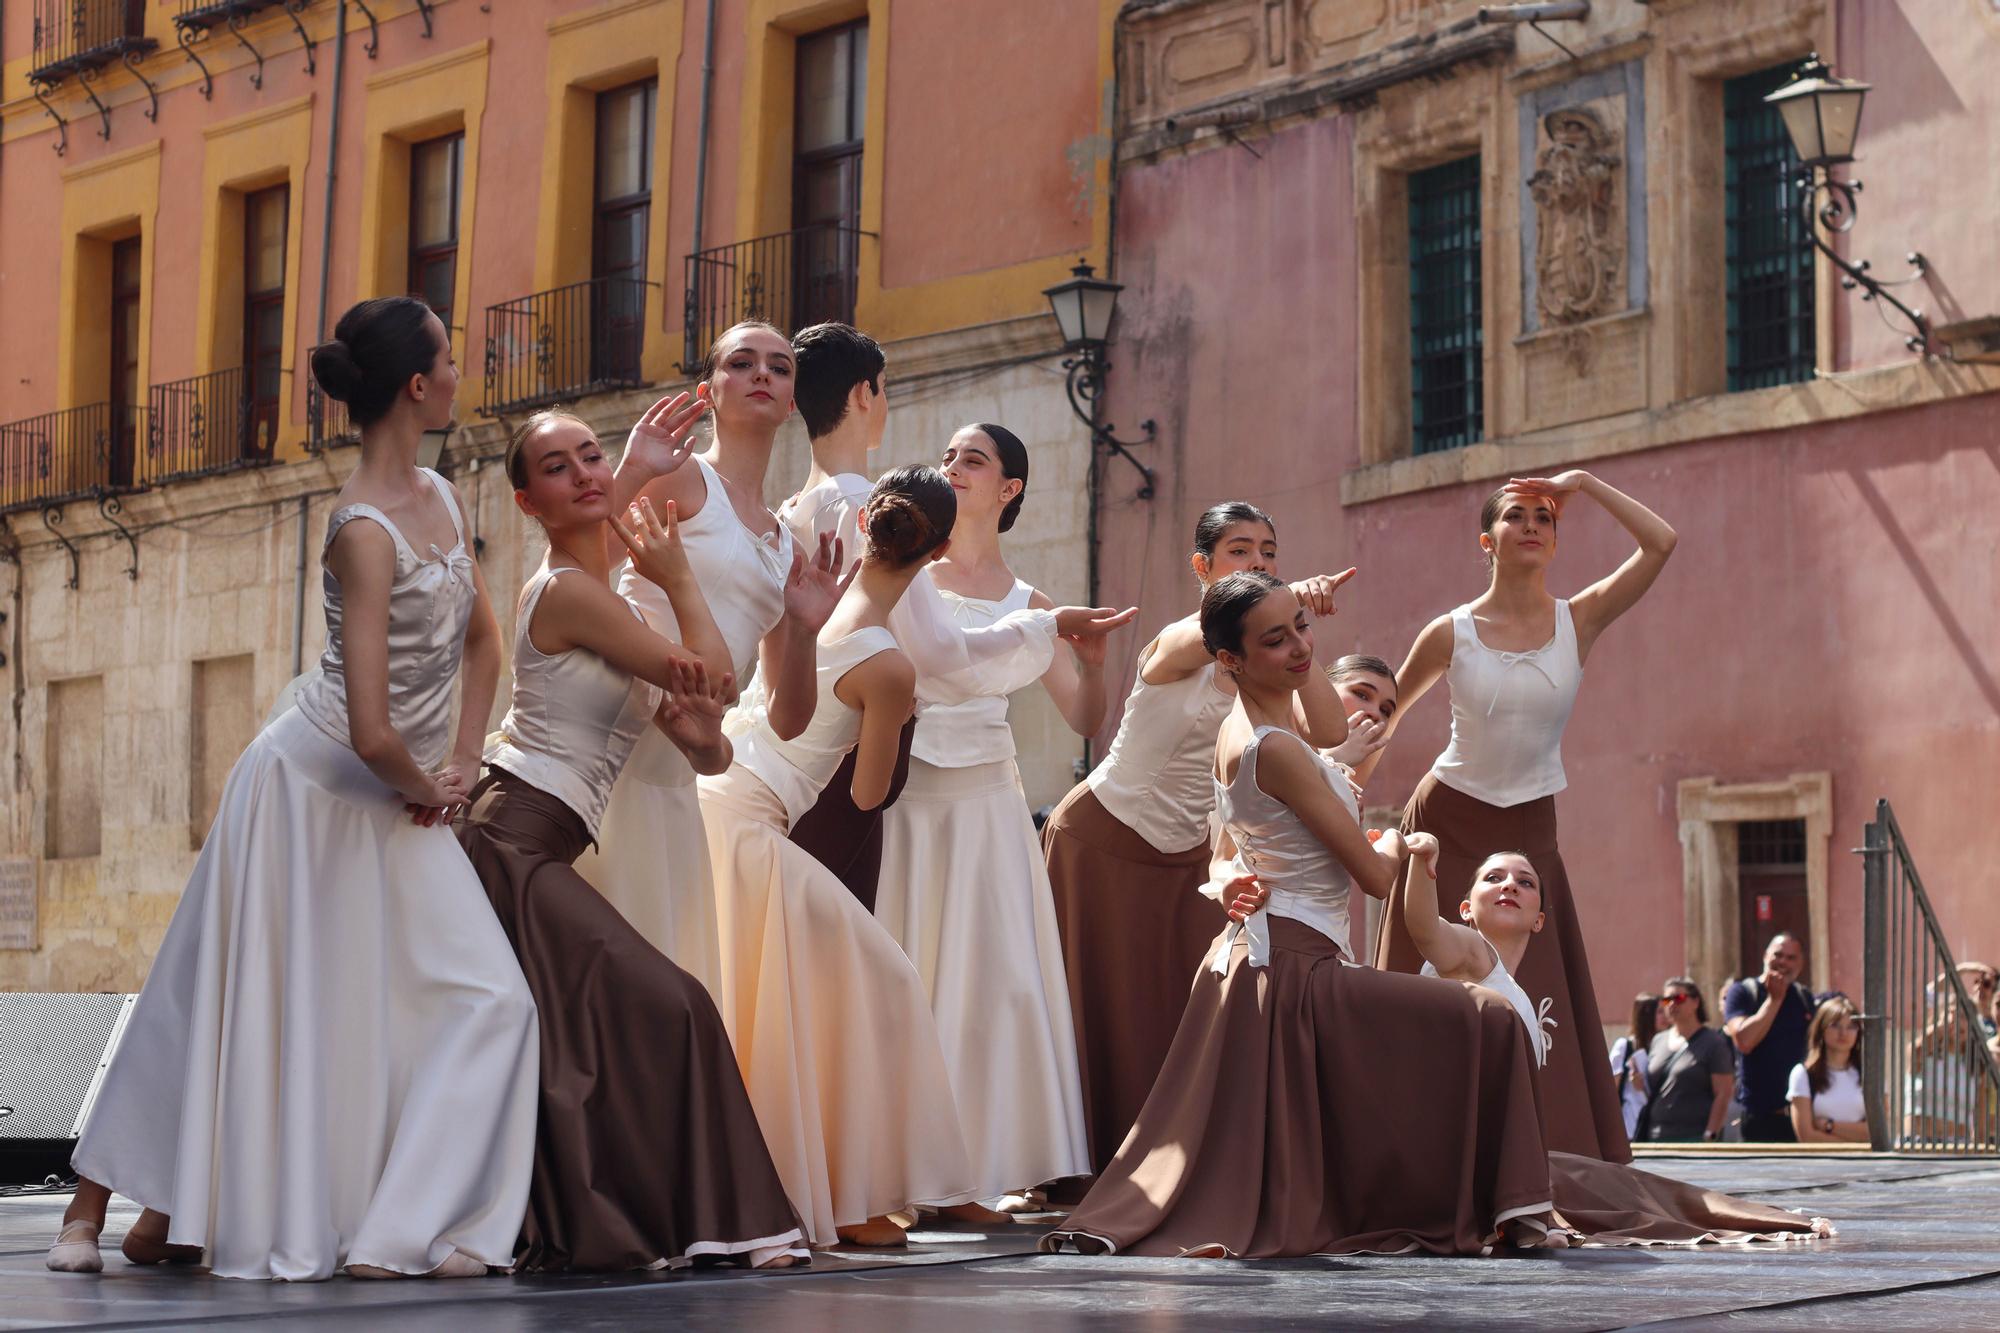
(830, 1026)
(334, 1058)
(964, 891)
(651, 860)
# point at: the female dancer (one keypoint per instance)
(1514, 658)
(831, 1024)
(1597, 1202)
(1128, 848)
(767, 600)
(637, 1069)
(1301, 1106)
(963, 888)
(333, 1060)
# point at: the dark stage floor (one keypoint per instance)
(1918, 1248)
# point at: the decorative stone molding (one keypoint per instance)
(1709, 813)
(1578, 250)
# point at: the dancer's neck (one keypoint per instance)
(1517, 592)
(1511, 947)
(581, 547)
(841, 451)
(741, 456)
(1266, 706)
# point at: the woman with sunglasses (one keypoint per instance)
(1691, 1073)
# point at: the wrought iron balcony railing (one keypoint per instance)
(557, 345)
(805, 276)
(327, 423)
(205, 424)
(70, 455)
(76, 36)
(195, 20)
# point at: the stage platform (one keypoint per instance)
(1919, 1248)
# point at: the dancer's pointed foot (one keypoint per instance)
(457, 1264)
(1027, 1202)
(975, 1213)
(877, 1233)
(75, 1249)
(146, 1243)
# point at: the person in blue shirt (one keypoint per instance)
(1765, 1018)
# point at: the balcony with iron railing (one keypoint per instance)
(82, 36)
(558, 345)
(791, 279)
(327, 423)
(73, 454)
(207, 424)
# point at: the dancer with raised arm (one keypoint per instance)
(637, 1069)
(1598, 1203)
(768, 599)
(1514, 658)
(963, 888)
(1128, 849)
(1303, 1103)
(832, 1028)
(845, 406)
(333, 1062)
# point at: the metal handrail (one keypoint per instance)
(79, 452)
(808, 275)
(555, 346)
(327, 423)
(1932, 1082)
(202, 425)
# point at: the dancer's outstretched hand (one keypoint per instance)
(1316, 593)
(1245, 896)
(691, 715)
(1082, 622)
(654, 542)
(1365, 736)
(814, 587)
(662, 439)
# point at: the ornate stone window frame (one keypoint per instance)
(1409, 128)
(1709, 813)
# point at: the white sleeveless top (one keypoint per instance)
(1306, 880)
(1508, 711)
(1537, 1021)
(963, 735)
(430, 603)
(742, 577)
(573, 717)
(955, 661)
(798, 770)
(1158, 777)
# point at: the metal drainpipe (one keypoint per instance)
(701, 157)
(325, 280)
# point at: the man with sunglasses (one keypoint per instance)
(1766, 1017)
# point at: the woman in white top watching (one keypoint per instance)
(1514, 658)
(1827, 1106)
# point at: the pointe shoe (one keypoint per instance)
(975, 1213)
(75, 1249)
(143, 1248)
(877, 1233)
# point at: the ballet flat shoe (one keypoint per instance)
(75, 1249)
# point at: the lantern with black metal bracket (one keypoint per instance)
(1083, 308)
(1822, 114)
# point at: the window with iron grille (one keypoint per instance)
(1447, 383)
(1770, 256)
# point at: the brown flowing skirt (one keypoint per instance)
(1134, 932)
(1303, 1110)
(1580, 1104)
(847, 840)
(1618, 1205)
(647, 1150)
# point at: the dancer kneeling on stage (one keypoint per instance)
(1597, 1202)
(1301, 1104)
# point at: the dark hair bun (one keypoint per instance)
(909, 514)
(333, 366)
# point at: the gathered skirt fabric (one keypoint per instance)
(647, 1152)
(651, 859)
(1580, 1101)
(333, 1060)
(1313, 1107)
(1135, 929)
(1615, 1205)
(832, 1029)
(964, 891)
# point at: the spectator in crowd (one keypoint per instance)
(1765, 1017)
(1948, 1089)
(1825, 1089)
(1628, 1058)
(1689, 1071)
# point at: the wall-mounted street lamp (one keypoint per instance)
(1083, 308)
(1823, 117)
